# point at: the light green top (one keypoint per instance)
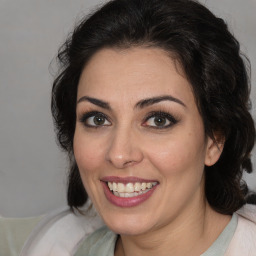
(102, 242)
(14, 233)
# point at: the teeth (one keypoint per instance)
(130, 189)
(120, 187)
(137, 186)
(149, 185)
(110, 186)
(114, 186)
(122, 194)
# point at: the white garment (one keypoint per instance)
(61, 233)
(243, 242)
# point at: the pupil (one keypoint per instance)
(99, 120)
(160, 121)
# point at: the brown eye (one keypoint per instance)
(160, 120)
(99, 120)
(94, 119)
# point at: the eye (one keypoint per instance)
(94, 119)
(159, 120)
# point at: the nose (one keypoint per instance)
(124, 149)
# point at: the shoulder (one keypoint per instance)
(60, 233)
(101, 242)
(244, 239)
(14, 232)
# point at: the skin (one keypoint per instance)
(176, 219)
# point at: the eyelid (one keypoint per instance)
(163, 114)
(86, 115)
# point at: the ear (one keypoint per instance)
(214, 149)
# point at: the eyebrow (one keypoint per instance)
(141, 104)
(96, 102)
(150, 101)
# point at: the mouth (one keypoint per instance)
(130, 189)
(128, 192)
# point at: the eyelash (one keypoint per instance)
(84, 118)
(161, 114)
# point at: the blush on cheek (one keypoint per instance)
(87, 160)
(175, 159)
(166, 161)
(82, 150)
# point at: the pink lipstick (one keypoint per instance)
(128, 191)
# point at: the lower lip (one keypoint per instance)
(126, 201)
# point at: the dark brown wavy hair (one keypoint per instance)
(211, 59)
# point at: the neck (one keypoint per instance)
(190, 234)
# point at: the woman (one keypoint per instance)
(151, 105)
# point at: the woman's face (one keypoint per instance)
(139, 140)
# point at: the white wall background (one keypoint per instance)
(32, 168)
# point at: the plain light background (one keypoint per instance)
(32, 168)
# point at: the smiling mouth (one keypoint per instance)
(130, 189)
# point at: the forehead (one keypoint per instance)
(133, 73)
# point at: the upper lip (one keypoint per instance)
(125, 180)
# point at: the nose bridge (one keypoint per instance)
(123, 149)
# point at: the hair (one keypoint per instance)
(210, 57)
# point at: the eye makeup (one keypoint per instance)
(159, 119)
(94, 119)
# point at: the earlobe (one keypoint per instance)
(214, 150)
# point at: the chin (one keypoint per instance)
(127, 225)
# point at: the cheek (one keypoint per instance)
(87, 153)
(178, 155)
(88, 158)
(168, 159)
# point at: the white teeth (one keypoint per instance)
(114, 187)
(121, 194)
(137, 186)
(110, 185)
(130, 189)
(143, 186)
(149, 185)
(120, 187)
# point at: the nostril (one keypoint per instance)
(129, 162)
